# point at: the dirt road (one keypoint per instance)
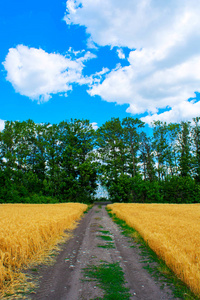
(64, 280)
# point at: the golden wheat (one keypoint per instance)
(27, 231)
(172, 231)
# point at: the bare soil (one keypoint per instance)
(65, 279)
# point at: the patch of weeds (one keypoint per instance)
(100, 206)
(162, 268)
(53, 254)
(34, 270)
(105, 237)
(110, 278)
(97, 211)
(136, 236)
(108, 245)
(155, 265)
(97, 218)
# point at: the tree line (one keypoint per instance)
(47, 163)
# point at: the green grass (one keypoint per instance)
(160, 270)
(105, 237)
(88, 208)
(108, 245)
(34, 270)
(110, 278)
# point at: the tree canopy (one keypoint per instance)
(65, 162)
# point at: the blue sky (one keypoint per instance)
(96, 59)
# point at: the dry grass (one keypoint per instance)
(172, 231)
(28, 231)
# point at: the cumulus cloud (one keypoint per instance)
(184, 111)
(146, 87)
(164, 62)
(38, 74)
(134, 24)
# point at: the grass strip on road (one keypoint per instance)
(108, 245)
(110, 278)
(105, 237)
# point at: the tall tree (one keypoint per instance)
(78, 161)
(53, 159)
(132, 128)
(112, 148)
(172, 150)
(160, 146)
(185, 157)
(113, 153)
(147, 157)
(196, 146)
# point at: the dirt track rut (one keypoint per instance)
(64, 280)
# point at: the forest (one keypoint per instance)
(65, 162)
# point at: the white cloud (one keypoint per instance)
(134, 24)
(91, 44)
(120, 53)
(38, 74)
(164, 70)
(2, 124)
(184, 111)
(146, 87)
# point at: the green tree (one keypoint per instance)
(147, 157)
(184, 144)
(53, 159)
(112, 149)
(160, 145)
(78, 160)
(172, 151)
(196, 147)
(113, 154)
(131, 128)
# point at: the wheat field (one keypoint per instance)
(173, 233)
(28, 231)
